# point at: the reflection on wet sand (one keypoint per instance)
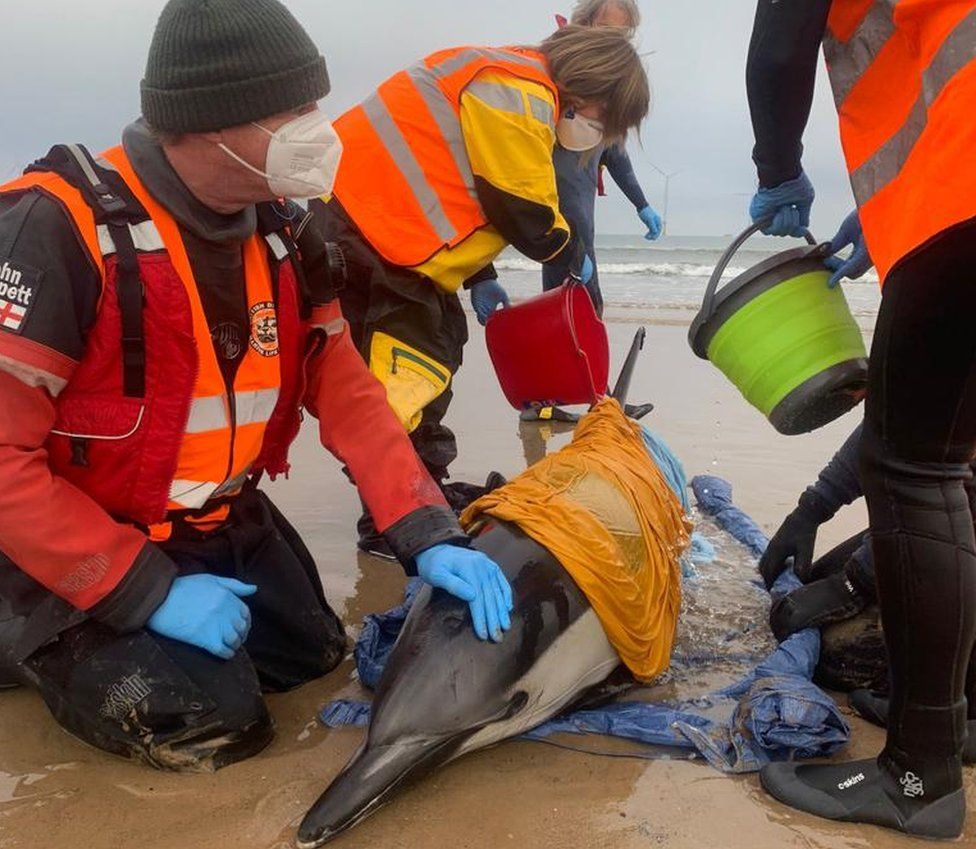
(56, 792)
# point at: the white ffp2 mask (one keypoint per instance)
(303, 157)
(577, 132)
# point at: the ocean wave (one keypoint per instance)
(654, 269)
(650, 269)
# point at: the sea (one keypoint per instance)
(669, 276)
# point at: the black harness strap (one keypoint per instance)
(115, 207)
(320, 266)
(130, 291)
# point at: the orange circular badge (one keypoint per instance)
(264, 329)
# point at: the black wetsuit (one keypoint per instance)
(920, 427)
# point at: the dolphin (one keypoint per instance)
(445, 693)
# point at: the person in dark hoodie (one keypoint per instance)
(164, 319)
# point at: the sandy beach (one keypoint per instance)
(54, 791)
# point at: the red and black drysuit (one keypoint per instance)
(91, 424)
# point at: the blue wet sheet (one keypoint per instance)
(774, 713)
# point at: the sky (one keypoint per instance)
(72, 72)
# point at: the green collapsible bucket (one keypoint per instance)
(787, 341)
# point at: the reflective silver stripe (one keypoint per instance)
(499, 96)
(446, 119)
(208, 414)
(396, 145)
(255, 407)
(957, 51)
(82, 160)
(465, 57)
(277, 246)
(145, 237)
(848, 60)
(542, 111)
(192, 494)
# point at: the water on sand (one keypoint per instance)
(56, 792)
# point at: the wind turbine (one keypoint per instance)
(667, 191)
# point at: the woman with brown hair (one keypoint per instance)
(445, 165)
(579, 172)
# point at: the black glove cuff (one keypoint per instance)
(421, 529)
(138, 595)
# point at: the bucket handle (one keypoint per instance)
(708, 304)
(568, 313)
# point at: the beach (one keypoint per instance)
(55, 791)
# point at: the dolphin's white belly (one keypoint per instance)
(580, 658)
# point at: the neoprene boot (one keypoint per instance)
(831, 599)
(924, 800)
(873, 707)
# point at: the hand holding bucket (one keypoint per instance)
(787, 341)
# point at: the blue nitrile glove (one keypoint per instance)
(652, 221)
(586, 272)
(788, 204)
(205, 611)
(859, 262)
(486, 297)
(472, 577)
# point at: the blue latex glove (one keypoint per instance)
(207, 612)
(859, 262)
(486, 297)
(472, 577)
(586, 272)
(788, 204)
(653, 223)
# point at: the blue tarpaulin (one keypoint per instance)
(773, 713)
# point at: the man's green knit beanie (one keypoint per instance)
(215, 64)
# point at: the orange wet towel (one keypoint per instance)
(602, 507)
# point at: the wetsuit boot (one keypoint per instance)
(886, 791)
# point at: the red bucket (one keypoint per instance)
(551, 349)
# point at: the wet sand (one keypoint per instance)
(55, 791)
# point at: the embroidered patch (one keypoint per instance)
(227, 340)
(19, 284)
(264, 329)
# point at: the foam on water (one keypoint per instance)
(672, 276)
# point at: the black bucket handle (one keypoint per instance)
(708, 304)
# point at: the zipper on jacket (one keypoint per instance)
(413, 358)
(232, 411)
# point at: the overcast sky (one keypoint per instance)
(71, 72)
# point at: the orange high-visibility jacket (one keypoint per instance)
(84, 461)
(904, 79)
(405, 178)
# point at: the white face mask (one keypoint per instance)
(303, 157)
(577, 132)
